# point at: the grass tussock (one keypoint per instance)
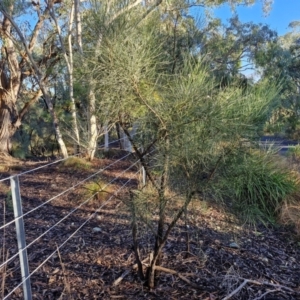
(77, 163)
(98, 191)
(261, 183)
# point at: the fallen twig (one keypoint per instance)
(277, 287)
(166, 270)
(266, 293)
(236, 290)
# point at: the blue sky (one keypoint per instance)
(283, 12)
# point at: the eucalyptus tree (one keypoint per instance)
(232, 48)
(281, 59)
(28, 52)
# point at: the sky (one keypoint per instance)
(283, 12)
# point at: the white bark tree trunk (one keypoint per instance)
(71, 85)
(91, 110)
(55, 122)
(70, 67)
(124, 140)
(93, 132)
(78, 25)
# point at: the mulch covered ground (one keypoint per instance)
(219, 258)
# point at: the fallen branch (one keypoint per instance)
(166, 270)
(236, 290)
(158, 268)
(277, 287)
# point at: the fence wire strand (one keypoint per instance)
(70, 213)
(60, 160)
(62, 193)
(72, 235)
(65, 217)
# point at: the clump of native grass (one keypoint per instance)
(3, 168)
(77, 163)
(258, 183)
(97, 190)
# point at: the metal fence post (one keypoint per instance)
(18, 213)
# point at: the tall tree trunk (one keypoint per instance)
(55, 122)
(68, 56)
(70, 65)
(92, 121)
(78, 25)
(10, 81)
(6, 131)
(91, 110)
